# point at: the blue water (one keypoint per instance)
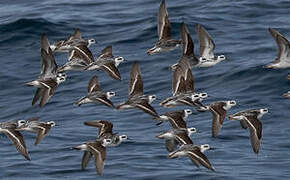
(240, 32)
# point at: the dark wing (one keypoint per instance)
(189, 81)
(183, 138)
(107, 52)
(42, 130)
(49, 66)
(178, 81)
(18, 141)
(163, 22)
(186, 101)
(177, 121)
(187, 43)
(81, 53)
(112, 70)
(47, 92)
(147, 108)
(105, 101)
(37, 95)
(282, 44)
(99, 153)
(94, 85)
(196, 155)
(86, 158)
(104, 126)
(136, 83)
(219, 114)
(255, 127)
(206, 44)
(77, 34)
(244, 124)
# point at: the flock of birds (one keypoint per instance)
(177, 140)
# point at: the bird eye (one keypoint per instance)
(203, 94)
(112, 93)
(124, 137)
(21, 121)
(193, 129)
(120, 58)
(195, 96)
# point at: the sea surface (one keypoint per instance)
(240, 32)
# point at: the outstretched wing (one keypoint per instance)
(206, 44)
(187, 43)
(94, 85)
(136, 83)
(282, 44)
(49, 66)
(163, 22)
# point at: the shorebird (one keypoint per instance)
(97, 149)
(249, 112)
(49, 78)
(283, 57)
(33, 125)
(176, 136)
(108, 63)
(95, 95)
(250, 119)
(195, 153)
(206, 48)
(183, 89)
(9, 129)
(174, 116)
(136, 98)
(106, 132)
(219, 110)
(164, 43)
(72, 41)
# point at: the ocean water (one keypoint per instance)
(239, 29)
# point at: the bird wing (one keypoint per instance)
(94, 85)
(206, 44)
(136, 83)
(163, 22)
